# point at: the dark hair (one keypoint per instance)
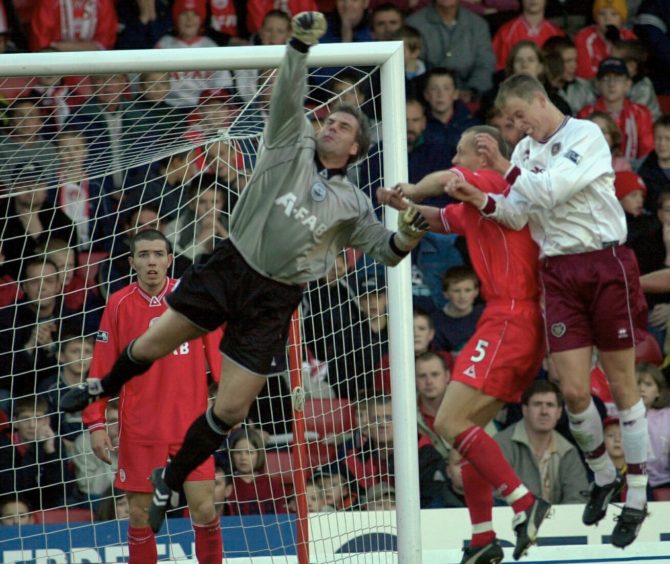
(558, 44)
(542, 387)
(439, 71)
(662, 121)
(458, 274)
(430, 355)
(419, 312)
(410, 35)
(202, 182)
(363, 133)
(509, 64)
(632, 50)
(277, 14)
(149, 235)
(612, 129)
(30, 403)
(494, 132)
(654, 372)
(39, 260)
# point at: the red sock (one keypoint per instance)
(479, 497)
(208, 542)
(485, 455)
(141, 546)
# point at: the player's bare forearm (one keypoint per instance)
(657, 282)
(432, 215)
(430, 185)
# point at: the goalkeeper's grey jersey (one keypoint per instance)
(291, 221)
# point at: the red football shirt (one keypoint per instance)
(506, 261)
(161, 404)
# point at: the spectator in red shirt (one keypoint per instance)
(595, 42)
(66, 25)
(530, 25)
(256, 10)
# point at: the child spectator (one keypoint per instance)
(148, 121)
(257, 10)
(594, 43)
(414, 66)
(73, 26)
(339, 491)
(254, 491)
(74, 361)
(39, 454)
(424, 332)
(380, 497)
(448, 117)
(349, 22)
(530, 25)
(27, 220)
(634, 120)
(223, 488)
(527, 58)
(655, 169)
(656, 397)
(613, 136)
(185, 87)
(93, 476)
(72, 278)
(630, 191)
(197, 229)
(642, 92)
(456, 323)
(576, 91)
(613, 443)
(316, 499)
(504, 124)
(84, 200)
(275, 30)
(15, 511)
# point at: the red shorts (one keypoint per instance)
(593, 299)
(504, 355)
(136, 461)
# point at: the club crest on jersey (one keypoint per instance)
(558, 329)
(573, 156)
(318, 192)
(555, 148)
(102, 337)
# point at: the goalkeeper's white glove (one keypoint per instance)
(412, 225)
(309, 27)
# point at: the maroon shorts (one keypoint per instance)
(136, 461)
(504, 355)
(593, 299)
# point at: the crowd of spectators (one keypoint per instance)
(87, 162)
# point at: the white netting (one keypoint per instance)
(86, 162)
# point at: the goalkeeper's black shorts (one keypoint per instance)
(257, 310)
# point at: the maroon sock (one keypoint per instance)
(480, 450)
(479, 497)
(141, 546)
(208, 542)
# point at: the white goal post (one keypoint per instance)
(388, 56)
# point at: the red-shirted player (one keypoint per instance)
(503, 356)
(155, 411)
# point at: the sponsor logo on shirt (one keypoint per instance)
(573, 156)
(301, 214)
(102, 337)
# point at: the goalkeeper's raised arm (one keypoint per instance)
(287, 111)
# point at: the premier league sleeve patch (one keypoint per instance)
(573, 156)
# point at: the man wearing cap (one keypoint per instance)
(594, 43)
(634, 120)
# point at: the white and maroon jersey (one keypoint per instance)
(563, 187)
(185, 87)
(161, 404)
(73, 20)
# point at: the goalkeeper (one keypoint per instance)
(297, 212)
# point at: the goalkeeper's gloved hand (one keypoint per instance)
(412, 225)
(309, 27)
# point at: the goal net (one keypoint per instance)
(162, 140)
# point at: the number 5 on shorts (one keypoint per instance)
(480, 347)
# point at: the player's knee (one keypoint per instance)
(202, 511)
(577, 398)
(446, 425)
(138, 516)
(231, 414)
